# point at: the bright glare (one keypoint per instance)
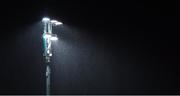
(54, 38)
(45, 19)
(47, 36)
(58, 23)
(54, 21)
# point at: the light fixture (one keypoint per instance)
(45, 19)
(55, 22)
(47, 36)
(54, 37)
(58, 23)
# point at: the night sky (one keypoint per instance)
(104, 47)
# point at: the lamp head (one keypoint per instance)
(47, 35)
(54, 37)
(45, 19)
(55, 22)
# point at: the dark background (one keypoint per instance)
(104, 47)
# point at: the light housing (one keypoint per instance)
(45, 19)
(55, 22)
(54, 37)
(58, 23)
(47, 35)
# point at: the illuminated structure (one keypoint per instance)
(48, 37)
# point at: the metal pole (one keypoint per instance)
(48, 73)
(47, 37)
(47, 54)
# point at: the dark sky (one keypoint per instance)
(104, 47)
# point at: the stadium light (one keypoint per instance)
(45, 19)
(48, 36)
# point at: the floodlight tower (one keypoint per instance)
(48, 37)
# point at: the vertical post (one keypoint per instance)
(48, 73)
(47, 54)
(47, 37)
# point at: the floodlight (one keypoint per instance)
(54, 21)
(58, 23)
(47, 35)
(50, 54)
(54, 37)
(45, 19)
